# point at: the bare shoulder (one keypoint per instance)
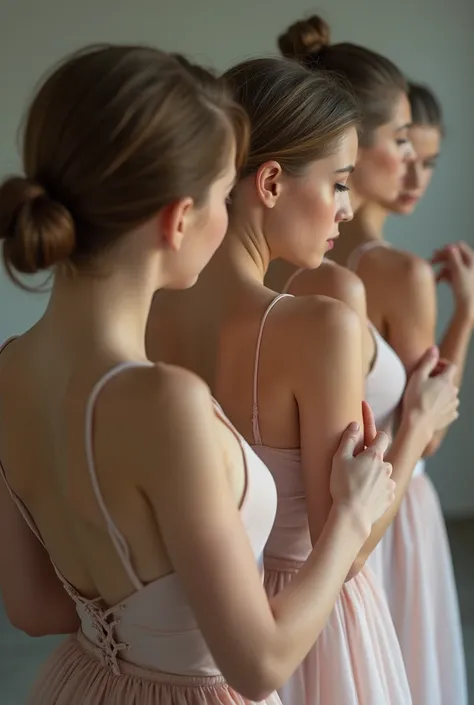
(319, 323)
(396, 267)
(159, 390)
(335, 281)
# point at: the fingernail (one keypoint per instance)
(355, 426)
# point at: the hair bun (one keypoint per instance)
(37, 231)
(305, 37)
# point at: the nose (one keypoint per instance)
(345, 212)
(409, 153)
(413, 175)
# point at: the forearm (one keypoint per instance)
(455, 342)
(453, 347)
(405, 452)
(301, 610)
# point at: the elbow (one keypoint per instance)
(41, 624)
(257, 682)
(28, 624)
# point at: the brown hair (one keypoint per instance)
(375, 80)
(113, 135)
(425, 107)
(296, 115)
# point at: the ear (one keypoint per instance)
(174, 221)
(268, 182)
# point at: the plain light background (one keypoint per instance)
(431, 40)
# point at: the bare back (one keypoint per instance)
(308, 389)
(45, 394)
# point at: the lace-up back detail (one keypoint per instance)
(154, 628)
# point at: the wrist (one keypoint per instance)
(417, 423)
(350, 517)
(464, 312)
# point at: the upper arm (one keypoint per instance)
(203, 532)
(329, 392)
(337, 282)
(31, 590)
(410, 301)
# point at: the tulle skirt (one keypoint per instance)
(413, 563)
(357, 658)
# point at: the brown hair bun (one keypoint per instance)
(305, 37)
(37, 232)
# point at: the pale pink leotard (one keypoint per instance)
(147, 650)
(357, 659)
(413, 560)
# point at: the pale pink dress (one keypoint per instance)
(413, 560)
(357, 659)
(147, 650)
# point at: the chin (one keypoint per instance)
(402, 209)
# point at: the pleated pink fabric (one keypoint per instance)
(148, 650)
(357, 658)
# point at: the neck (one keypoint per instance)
(244, 254)
(109, 311)
(366, 225)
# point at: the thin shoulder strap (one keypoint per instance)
(356, 255)
(121, 546)
(291, 280)
(19, 503)
(255, 425)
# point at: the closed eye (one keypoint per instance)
(341, 187)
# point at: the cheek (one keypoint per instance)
(388, 162)
(426, 180)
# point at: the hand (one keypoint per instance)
(431, 397)
(362, 482)
(457, 269)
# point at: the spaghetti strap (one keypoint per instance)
(255, 425)
(121, 546)
(356, 255)
(291, 280)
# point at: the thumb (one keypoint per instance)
(349, 441)
(427, 364)
(455, 258)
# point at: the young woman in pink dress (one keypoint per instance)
(288, 371)
(413, 560)
(130, 508)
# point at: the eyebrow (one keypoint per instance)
(404, 127)
(345, 169)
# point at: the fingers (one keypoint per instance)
(449, 372)
(427, 364)
(467, 253)
(370, 428)
(380, 444)
(349, 441)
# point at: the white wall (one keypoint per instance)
(430, 39)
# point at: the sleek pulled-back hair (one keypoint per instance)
(374, 79)
(113, 135)
(296, 116)
(425, 107)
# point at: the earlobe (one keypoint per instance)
(268, 182)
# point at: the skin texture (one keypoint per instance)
(171, 472)
(309, 389)
(400, 286)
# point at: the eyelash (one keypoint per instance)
(341, 188)
(401, 142)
